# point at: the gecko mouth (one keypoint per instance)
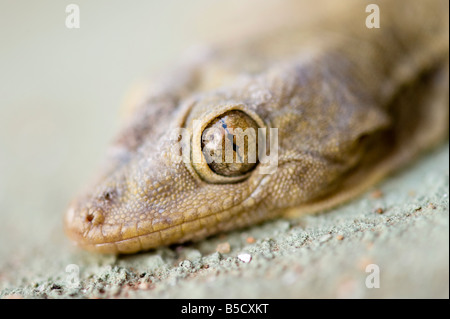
(91, 236)
(136, 243)
(87, 228)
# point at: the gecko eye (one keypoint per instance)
(229, 144)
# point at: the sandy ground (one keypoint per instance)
(60, 96)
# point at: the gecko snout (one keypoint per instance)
(83, 222)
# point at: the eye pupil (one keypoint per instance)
(233, 153)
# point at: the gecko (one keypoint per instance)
(350, 105)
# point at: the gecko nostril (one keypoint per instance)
(107, 196)
(95, 216)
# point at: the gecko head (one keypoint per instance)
(187, 169)
(199, 177)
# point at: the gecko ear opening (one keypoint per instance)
(225, 147)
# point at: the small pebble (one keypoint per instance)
(339, 237)
(246, 258)
(193, 254)
(324, 238)
(223, 248)
(250, 240)
(379, 211)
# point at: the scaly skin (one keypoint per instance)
(351, 104)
